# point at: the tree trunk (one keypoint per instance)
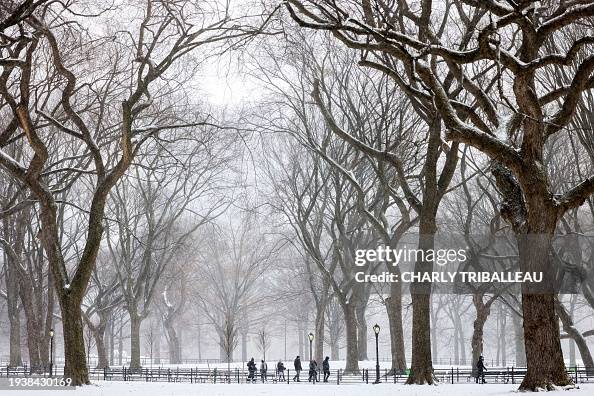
(75, 360)
(135, 322)
(394, 309)
(222, 352)
(533, 214)
(300, 337)
(199, 341)
(362, 329)
(15, 339)
(120, 342)
(179, 345)
(571, 341)
(461, 341)
(334, 349)
(307, 348)
(157, 348)
(519, 342)
(12, 283)
(173, 344)
(99, 336)
(543, 347)
(434, 316)
(456, 345)
(422, 367)
(14, 316)
(503, 333)
(574, 335)
(482, 313)
(571, 353)
(33, 327)
(319, 332)
(544, 357)
(244, 355)
(49, 320)
(352, 345)
(111, 336)
(102, 361)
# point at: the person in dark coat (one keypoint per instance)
(313, 371)
(326, 368)
(263, 370)
(251, 365)
(480, 370)
(280, 371)
(298, 368)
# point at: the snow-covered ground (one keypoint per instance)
(101, 388)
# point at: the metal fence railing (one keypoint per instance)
(453, 375)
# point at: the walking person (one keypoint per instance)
(313, 371)
(480, 370)
(326, 368)
(280, 371)
(298, 368)
(251, 365)
(263, 370)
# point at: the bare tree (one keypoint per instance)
(150, 340)
(228, 340)
(120, 97)
(263, 341)
(102, 299)
(230, 269)
(511, 131)
(177, 191)
(172, 312)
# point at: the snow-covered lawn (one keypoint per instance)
(115, 388)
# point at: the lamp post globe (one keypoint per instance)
(311, 337)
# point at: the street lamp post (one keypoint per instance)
(376, 330)
(311, 337)
(51, 365)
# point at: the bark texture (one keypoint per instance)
(352, 344)
(135, 322)
(482, 313)
(394, 309)
(421, 365)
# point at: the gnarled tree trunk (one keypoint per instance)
(173, 343)
(541, 325)
(422, 366)
(102, 360)
(75, 359)
(482, 313)
(394, 309)
(14, 317)
(352, 344)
